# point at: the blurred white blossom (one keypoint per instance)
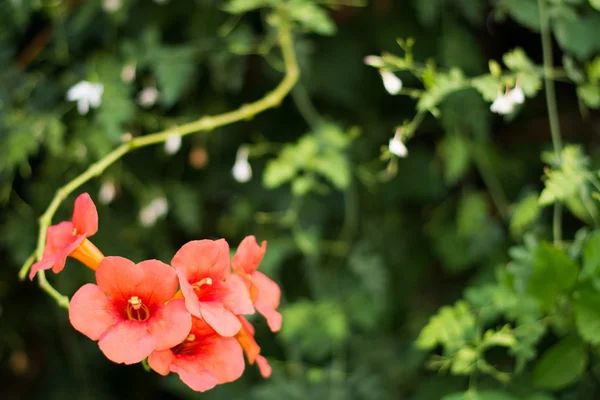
(374, 61)
(505, 102)
(391, 82)
(173, 144)
(154, 210)
(108, 192)
(148, 96)
(128, 72)
(516, 95)
(242, 171)
(111, 6)
(87, 95)
(397, 146)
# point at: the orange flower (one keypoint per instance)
(203, 360)
(265, 293)
(70, 238)
(129, 311)
(206, 285)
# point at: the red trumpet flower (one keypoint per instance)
(130, 311)
(70, 238)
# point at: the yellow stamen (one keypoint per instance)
(136, 310)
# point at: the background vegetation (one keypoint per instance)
(469, 269)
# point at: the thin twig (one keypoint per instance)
(207, 123)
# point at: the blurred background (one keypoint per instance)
(365, 252)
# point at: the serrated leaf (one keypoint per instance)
(553, 273)
(452, 327)
(561, 365)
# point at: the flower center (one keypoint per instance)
(202, 282)
(188, 346)
(136, 310)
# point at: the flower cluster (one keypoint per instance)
(186, 317)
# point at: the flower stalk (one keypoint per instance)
(206, 123)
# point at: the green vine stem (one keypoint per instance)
(552, 108)
(207, 123)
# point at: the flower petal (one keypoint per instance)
(160, 361)
(245, 338)
(263, 366)
(217, 360)
(201, 259)
(267, 299)
(170, 324)
(224, 358)
(191, 300)
(237, 298)
(119, 277)
(159, 283)
(248, 255)
(220, 319)
(193, 374)
(91, 312)
(85, 215)
(127, 342)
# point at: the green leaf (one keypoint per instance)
(278, 172)
(589, 94)
(587, 315)
(595, 4)
(578, 36)
(561, 365)
(311, 17)
(525, 12)
(553, 273)
(591, 255)
(333, 166)
(452, 327)
(243, 6)
(480, 395)
(301, 185)
(455, 152)
(525, 213)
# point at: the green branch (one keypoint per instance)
(552, 108)
(207, 123)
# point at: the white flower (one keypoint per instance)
(516, 95)
(128, 72)
(397, 146)
(502, 105)
(374, 61)
(148, 96)
(111, 6)
(391, 82)
(108, 192)
(87, 95)
(242, 171)
(154, 210)
(173, 144)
